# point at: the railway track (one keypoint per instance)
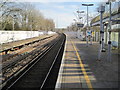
(13, 65)
(24, 49)
(39, 59)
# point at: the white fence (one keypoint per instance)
(9, 36)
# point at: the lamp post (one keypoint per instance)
(74, 20)
(101, 9)
(75, 23)
(79, 14)
(13, 25)
(110, 23)
(13, 17)
(87, 18)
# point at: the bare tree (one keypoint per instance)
(25, 17)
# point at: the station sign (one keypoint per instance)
(80, 25)
(88, 32)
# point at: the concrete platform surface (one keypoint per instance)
(81, 69)
(9, 45)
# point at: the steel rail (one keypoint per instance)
(23, 58)
(52, 65)
(35, 61)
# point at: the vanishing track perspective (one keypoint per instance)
(37, 67)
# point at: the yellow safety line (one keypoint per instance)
(83, 69)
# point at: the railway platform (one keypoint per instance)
(80, 68)
(4, 48)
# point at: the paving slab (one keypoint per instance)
(101, 74)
